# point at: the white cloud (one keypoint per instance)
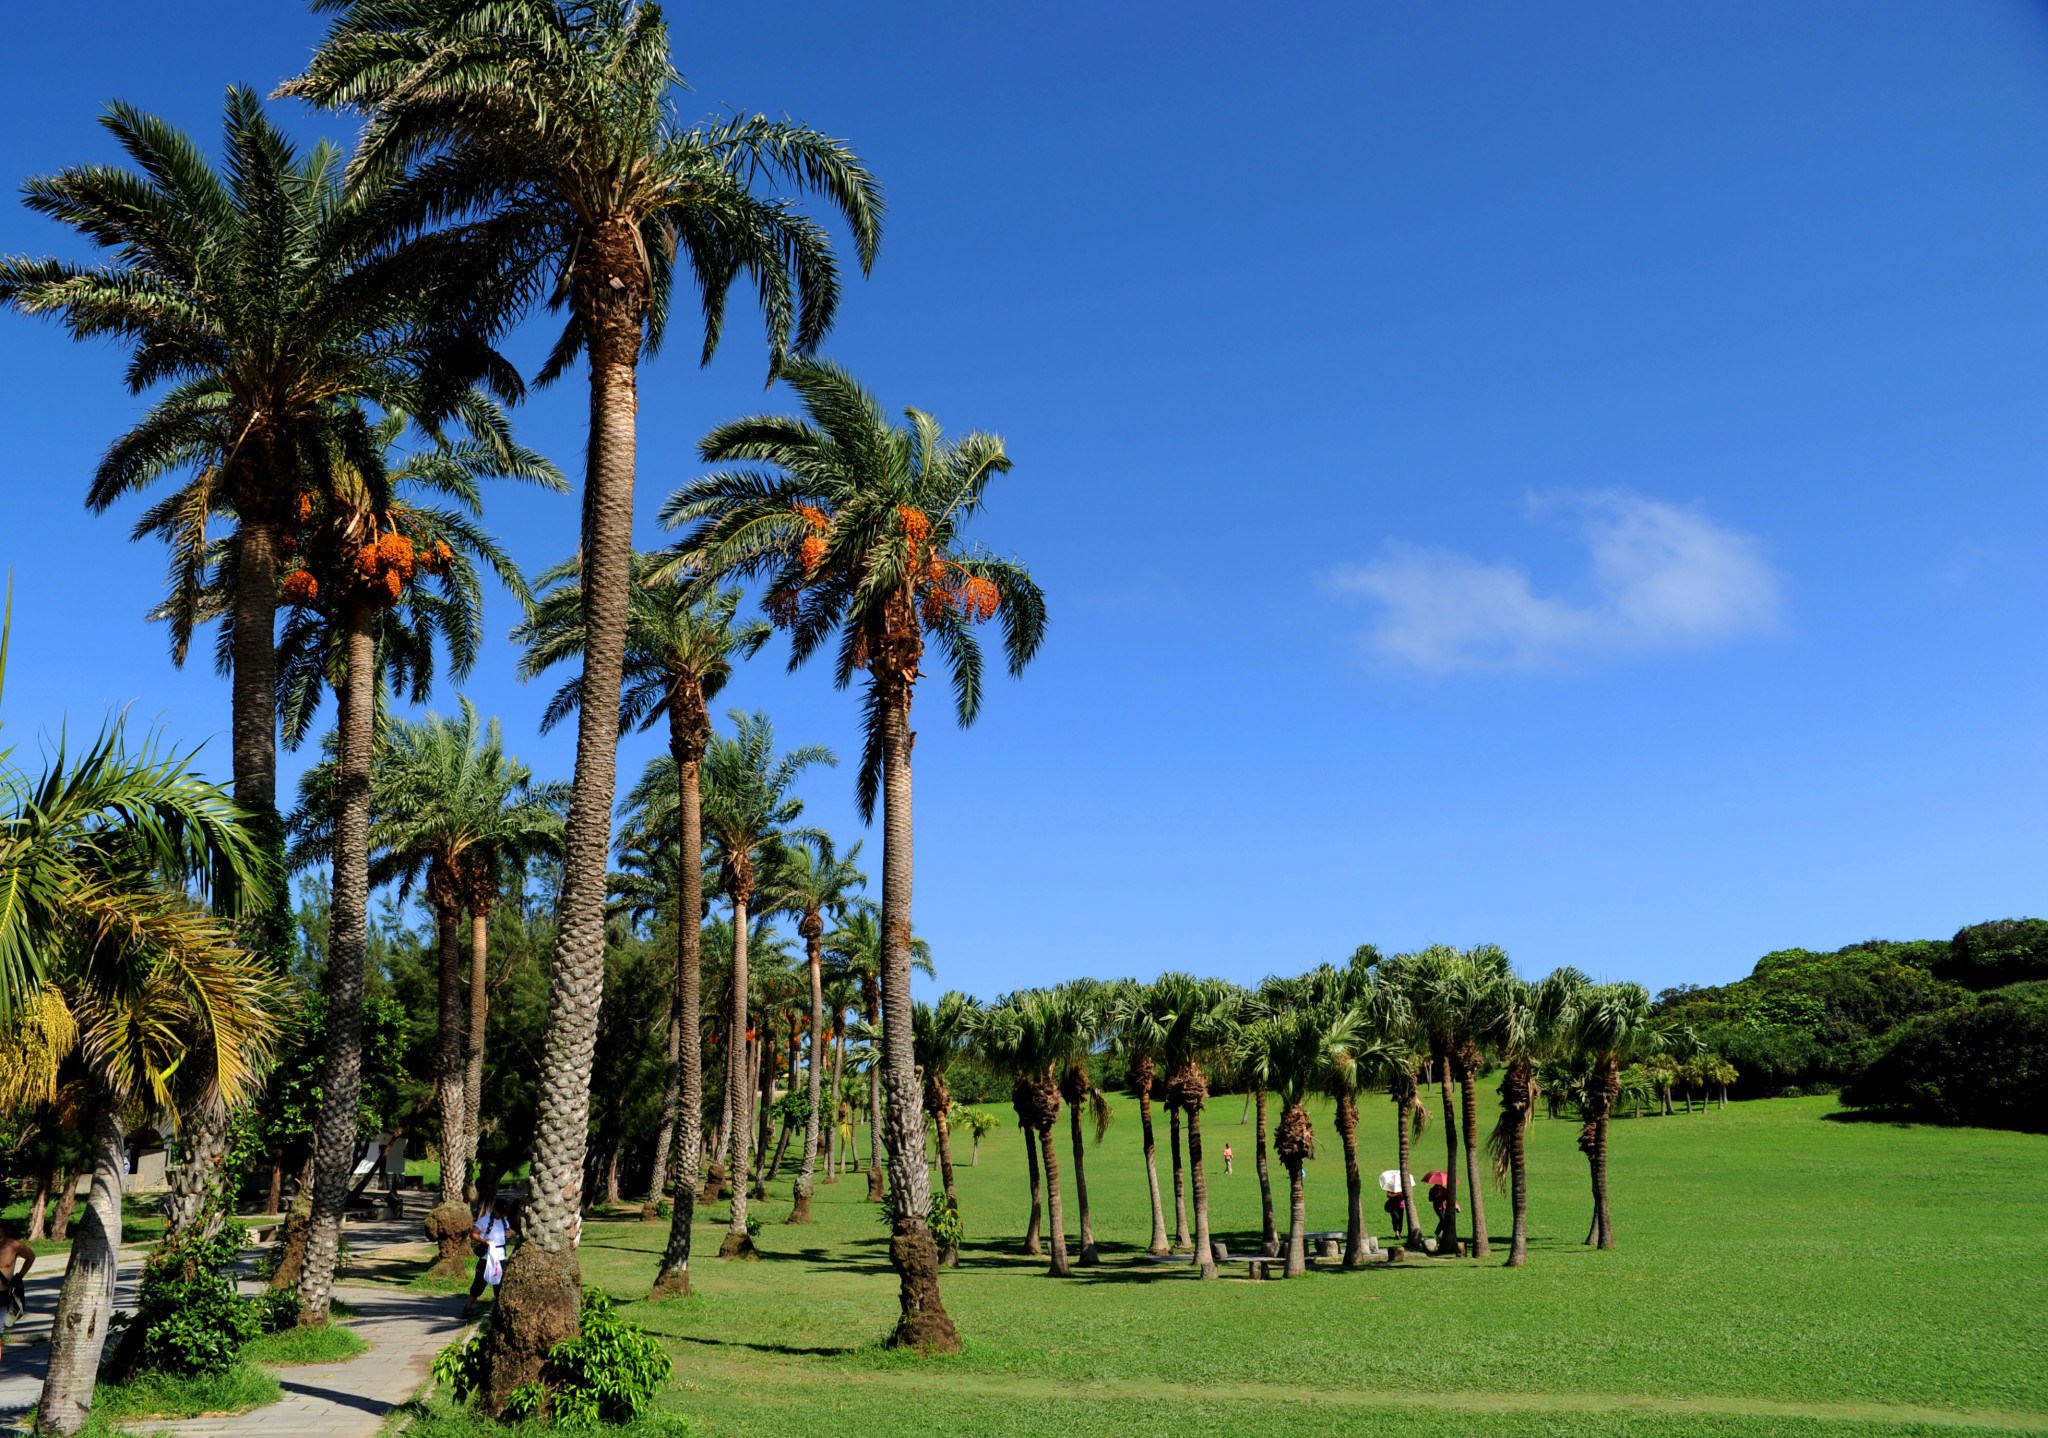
(1662, 577)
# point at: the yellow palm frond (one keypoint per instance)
(44, 1035)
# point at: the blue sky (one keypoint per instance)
(1562, 476)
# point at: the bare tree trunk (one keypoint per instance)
(674, 1277)
(1033, 1248)
(206, 1143)
(1297, 1223)
(764, 1103)
(739, 1081)
(923, 1323)
(78, 1331)
(1205, 1255)
(1088, 1254)
(67, 1203)
(39, 1210)
(1447, 1226)
(449, 1071)
(538, 1306)
(473, 1046)
(951, 1257)
(834, 1153)
(1181, 1242)
(875, 1161)
(1354, 1184)
(807, 1176)
(1481, 1248)
(1515, 1105)
(1056, 1218)
(341, 1070)
(1157, 1247)
(1269, 1241)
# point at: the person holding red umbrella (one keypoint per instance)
(1440, 1199)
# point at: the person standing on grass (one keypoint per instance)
(1228, 1157)
(492, 1233)
(1397, 1212)
(16, 1259)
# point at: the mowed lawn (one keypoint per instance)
(1777, 1273)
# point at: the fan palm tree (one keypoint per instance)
(747, 813)
(1299, 1050)
(1527, 1024)
(677, 658)
(809, 884)
(116, 991)
(548, 127)
(1440, 984)
(265, 300)
(449, 812)
(1139, 1016)
(941, 1031)
(1082, 1033)
(859, 527)
(1609, 1022)
(1380, 1014)
(1205, 1021)
(1029, 1036)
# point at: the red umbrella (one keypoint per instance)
(1436, 1175)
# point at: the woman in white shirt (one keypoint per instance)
(492, 1233)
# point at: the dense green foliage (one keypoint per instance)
(189, 1322)
(606, 1374)
(1984, 1062)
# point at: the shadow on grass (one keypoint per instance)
(787, 1350)
(1896, 1117)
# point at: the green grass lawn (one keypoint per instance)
(140, 1223)
(1777, 1273)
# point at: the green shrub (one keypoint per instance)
(1991, 956)
(277, 1310)
(945, 1222)
(1985, 1064)
(607, 1374)
(188, 1322)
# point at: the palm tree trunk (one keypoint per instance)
(924, 1323)
(1158, 1246)
(807, 1176)
(1088, 1255)
(341, 1070)
(1515, 1105)
(449, 1071)
(39, 1211)
(875, 1190)
(78, 1331)
(1401, 1135)
(538, 1305)
(1447, 1226)
(479, 1025)
(611, 1176)
(1601, 1089)
(1181, 1242)
(1269, 1241)
(1205, 1256)
(673, 1279)
(1470, 1098)
(739, 1080)
(1033, 1248)
(1354, 1228)
(764, 1103)
(1297, 1224)
(832, 1146)
(1055, 1215)
(951, 1257)
(67, 1202)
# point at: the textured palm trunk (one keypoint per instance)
(341, 1070)
(1074, 1089)
(1205, 1255)
(671, 1097)
(1033, 1247)
(39, 1210)
(1469, 1099)
(876, 1192)
(764, 1104)
(67, 1202)
(739, 1083)
(951, 1257)
(923, 1323)
(449, 1070)
(538, 1304)
(1297, 1223)
(1447, 1226)
(1600, 1094)
(813, 931)
(1406, 1160)
(78, 1331)
(1269, 1239)
(1354, 1184)
(1055, 1211)
(833, 1150)
(1158, 1246)
(611, 1176)
(1515, 1106)
(479, 1025)
(673, 1280)
(1181, 1242)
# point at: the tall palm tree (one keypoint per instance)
(841, 994)
(1081, 1034)
(116, 991)
(450, 811)
(859, 527)
(266, 301)
(853, 951)
(941, 1032)
(1610, 1022)
(1380, 1012)
(748, 811)
(1299, 1049)
(809, 884)
(1527, 1024)
(550, 126)
(1028, 1036)
(1140, 1014)
(677, 658)
(1439, 983)
(1204, 1014)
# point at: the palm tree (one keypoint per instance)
(116, 991)
(810, 883)
(1381, 1013)
(363, 618)
(841, 993)
(1027, 1035)
(941, 1031)
(1608, 1023)
(269, 304)
(1528, 1024)
(1299, 1050)
(1082, 1032)
(678, 655)
(1441, 985)
(859, 527)
(549, 125)
(747, 813)
(1140, 1015)
(1204, 1023)
(449, 807)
